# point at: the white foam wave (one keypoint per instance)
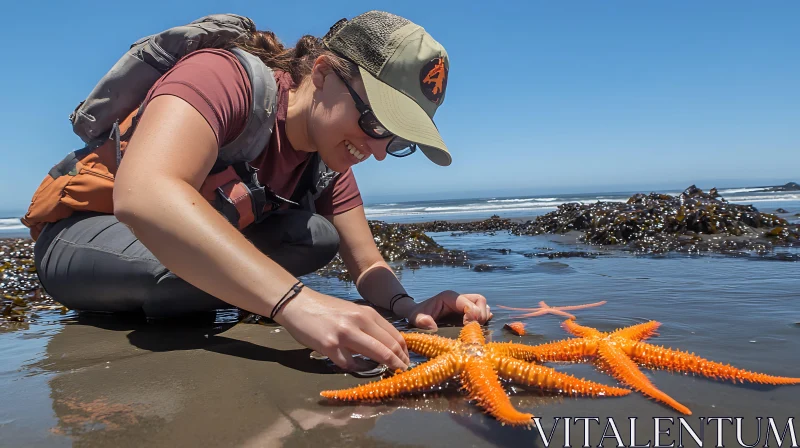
(376, 210)
(777, 197)
(11, 224)
(741, 190)
(480, 207)
(488, 206)
(524, 200)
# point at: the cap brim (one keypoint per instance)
(403, 117)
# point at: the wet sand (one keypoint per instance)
(252, 385)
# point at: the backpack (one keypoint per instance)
(106, 119)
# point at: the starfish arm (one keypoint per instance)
(637, 332)
(428, 345)
(537, 375)
(558, 312)
(579, 330)
(626, 371)
(483, 386)
(533, 314)
(680, 361)
(565, 350)
(472, 334)
(518, 309)
(580, 307)
(422, 377)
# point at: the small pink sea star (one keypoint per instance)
(547, 309)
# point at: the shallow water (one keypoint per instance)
(99, 381)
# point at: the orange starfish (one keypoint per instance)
(518, 328)
(479, 367)
(547, 309)
(616, 351)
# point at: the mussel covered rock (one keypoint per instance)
(21, 294)
(661, 223)
(408, 245)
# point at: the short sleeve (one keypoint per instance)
(216, 85)
(341, 196)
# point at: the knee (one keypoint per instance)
(325, 240)
(298, 240)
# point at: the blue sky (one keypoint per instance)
(543, 97)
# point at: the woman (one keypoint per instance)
(369, 88)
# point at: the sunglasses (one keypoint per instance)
(369, 123)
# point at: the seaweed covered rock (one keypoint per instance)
(493, 224)
(406, 244)
(22, 294)
(661, 223)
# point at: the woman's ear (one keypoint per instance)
(320, 70)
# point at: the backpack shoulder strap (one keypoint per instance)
(315, 179)
(260, 122)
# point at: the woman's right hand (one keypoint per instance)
(339, 329)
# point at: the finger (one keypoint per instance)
(343, 358)
(425, 322)
(480, 302)
(467, 303)
(365, 344)
(390, 337)
(391, 330)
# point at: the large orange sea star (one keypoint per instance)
(616, 352)
(479, 366)
(547, 309)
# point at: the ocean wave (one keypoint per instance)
(741, 190)
(11, 224)
(376, 210)
(524, 200)
(776, 197)
(487, 206)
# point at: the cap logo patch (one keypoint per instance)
(433, 79)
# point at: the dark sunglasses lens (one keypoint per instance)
(370, 124)
(401, 148)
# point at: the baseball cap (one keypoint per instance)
(404, 71)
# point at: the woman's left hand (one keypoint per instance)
(472, 306)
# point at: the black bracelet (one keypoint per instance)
(291, 294)
(394, 300)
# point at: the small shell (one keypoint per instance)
(518, 328)
(369, 368)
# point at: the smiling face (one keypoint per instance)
(332, 121)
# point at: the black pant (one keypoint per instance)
(92, 262)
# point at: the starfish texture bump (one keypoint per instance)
(618, 352)
(547, 309)
(479, 367)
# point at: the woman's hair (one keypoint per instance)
(297, 61)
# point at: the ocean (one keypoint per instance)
(534, 205)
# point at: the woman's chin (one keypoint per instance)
(337, 164)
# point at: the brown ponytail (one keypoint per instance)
(297, 61)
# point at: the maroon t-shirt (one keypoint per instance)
(215, 83)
